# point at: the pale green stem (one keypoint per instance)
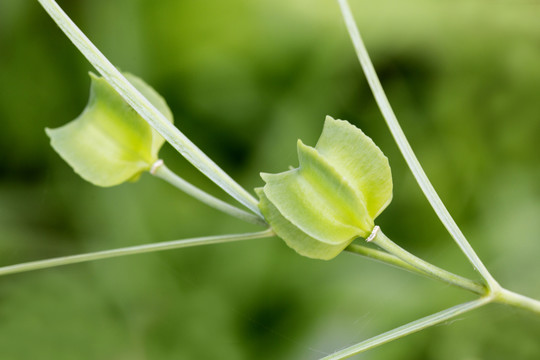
(441, 274)
(406, 149)
(511, 298)
(378, 238)
(163, 172)
(132, 250)
(408, 329)
(382, 257)
(145, 109)
(399, 257)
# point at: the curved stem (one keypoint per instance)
(145, 109)
(432, 271)
(398, 262)
(405, 147)
(408, 329)
(163, 172)
(132, 250)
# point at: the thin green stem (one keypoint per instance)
(144, 108)
(163, 172)
(507, 297)
(132, 250)
(382, 257)
(425, 267)
(408, 329)
(395, 255)
(406, 149)
(441, 274)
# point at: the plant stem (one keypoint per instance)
(401, 258)
(132, 250)
(428, 270)
(432, 271)
(381, 256)
(405, 147)
(408, 329)
(145, 109)
(504, 296)
(163, 172)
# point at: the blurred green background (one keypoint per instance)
(245, 79)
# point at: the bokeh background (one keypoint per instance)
(245, 79)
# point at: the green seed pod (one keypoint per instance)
(333, 197)
(109, 143)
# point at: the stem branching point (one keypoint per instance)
(405, 147)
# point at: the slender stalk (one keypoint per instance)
(441, 274)
(144, 108)
(405, 148)
(511, 298)
(423, 266)
(400, 258)
(132, 250)
(407, 329)
(163, 172)
(382, 257)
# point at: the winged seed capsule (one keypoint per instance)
(333, 197)
(109, 143)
